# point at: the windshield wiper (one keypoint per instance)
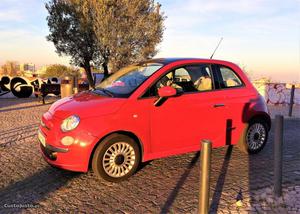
(105, 91)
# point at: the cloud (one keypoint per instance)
(262, 20)
(233, 6)
(260, 34)
(23, 29)
(11, 15)
(193, 14)
(27, 46)
(15, 10)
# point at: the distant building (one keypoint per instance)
(27, 67)
(41, 71)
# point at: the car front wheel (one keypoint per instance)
(116, 158)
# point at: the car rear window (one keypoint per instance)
(229, 78)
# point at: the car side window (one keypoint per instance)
(229, 78)
(170, 79)
(189, 78)
(203, 80)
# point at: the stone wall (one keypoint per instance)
(277, 93)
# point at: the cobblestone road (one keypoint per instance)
(167, 185)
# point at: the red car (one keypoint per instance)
(151, 110)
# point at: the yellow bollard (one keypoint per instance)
(205, 177)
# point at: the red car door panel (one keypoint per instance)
(181, 122)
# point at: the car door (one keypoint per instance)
(237, 99)
(181, 122)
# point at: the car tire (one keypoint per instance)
(256, 136)
(116, 158)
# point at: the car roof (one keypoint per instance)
(166, 61)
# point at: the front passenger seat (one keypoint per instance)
(204, 84)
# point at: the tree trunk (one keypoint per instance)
(88, 72)
(105, 69)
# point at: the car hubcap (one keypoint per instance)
(256, 136)
(118, 159)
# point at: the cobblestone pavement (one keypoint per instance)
(167, 185)
(284, 110)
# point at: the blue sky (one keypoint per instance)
(261, 35)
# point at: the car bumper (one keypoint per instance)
(73, 158)
(62, 160)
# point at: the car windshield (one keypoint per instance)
(124, 82)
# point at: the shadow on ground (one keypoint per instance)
(172, 196)
(220, 181)
(7, 104)
(26, 192)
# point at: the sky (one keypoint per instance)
(262, 36)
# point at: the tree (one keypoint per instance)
(72, 34)
(57, 70)
(10, 68)
(127, 30)
(107, 32)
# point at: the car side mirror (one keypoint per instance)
(167, 91)
(164, 93)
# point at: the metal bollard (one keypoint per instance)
(75, 84)
(278, 139)
(291, 100)
(205, 176)
(66, 88)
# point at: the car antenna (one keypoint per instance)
(216, 48)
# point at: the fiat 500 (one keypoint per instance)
(150, 110)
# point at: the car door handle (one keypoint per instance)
(218, 105)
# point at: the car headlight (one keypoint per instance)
(70, 123)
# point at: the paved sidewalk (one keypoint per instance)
(284, 110)
(168, 185)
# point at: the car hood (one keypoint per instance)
(86, 104)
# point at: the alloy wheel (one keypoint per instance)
(256, 136)
(119, 159)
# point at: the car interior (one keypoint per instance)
(188, 79)
(193, 78)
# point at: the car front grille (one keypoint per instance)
(49, 153)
